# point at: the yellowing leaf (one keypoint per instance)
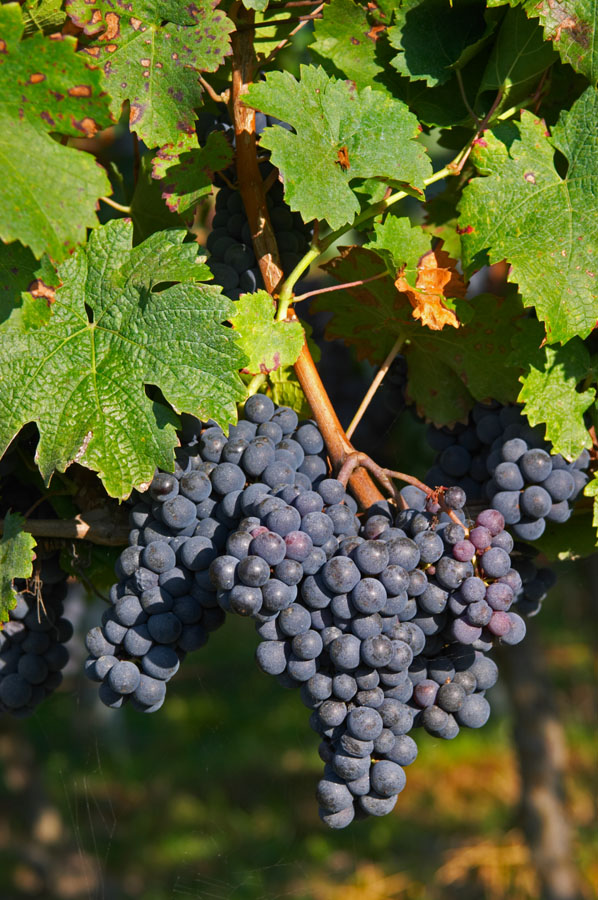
(437, 280)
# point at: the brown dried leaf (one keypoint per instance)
(437, 280)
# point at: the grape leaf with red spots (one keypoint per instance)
(152, 55)
(48, 192)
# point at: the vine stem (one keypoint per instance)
(464, 98)
(98, 530)
(457, 165)
(282, 44)
(224, 97)
(268, 24)
(375, 384)
(338, 445)
(337, 287)
(266, 251)
(119, 206)
(255, 384)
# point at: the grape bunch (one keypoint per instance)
(165, 604)
(384, 623)
(32, 642)
(498, 457)
(373, 637)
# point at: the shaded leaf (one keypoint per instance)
(258, 5)
(285, 390)
(571, 25)
(441, 217)
(17, 267)
(544, 225)
(518, 59)
(16, 560)
(187, 170)
(432, 37)
(149, 211)
(152, 54)
(274, 25)
(573, 539)
(82, 376)
(448, 371)
(267, 344)
(341, 135)
(444, 105)
(48, 192)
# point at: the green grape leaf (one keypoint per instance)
(16, 560)
(400, 244)
(518, 59)
(187, 169)
(435, 37)
(550, 389)
(48, 192)
(82, 375)
(149, 211)
(544, 224)
(267, 344)
(591, 490)
(345, 43)
(571, 25)
(35, 302)
(285, 390)
(152, 55)
(258, 5)
(449, 370)
(42, 15)
(283, 385)
(341, 134)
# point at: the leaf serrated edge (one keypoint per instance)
(13, 530)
